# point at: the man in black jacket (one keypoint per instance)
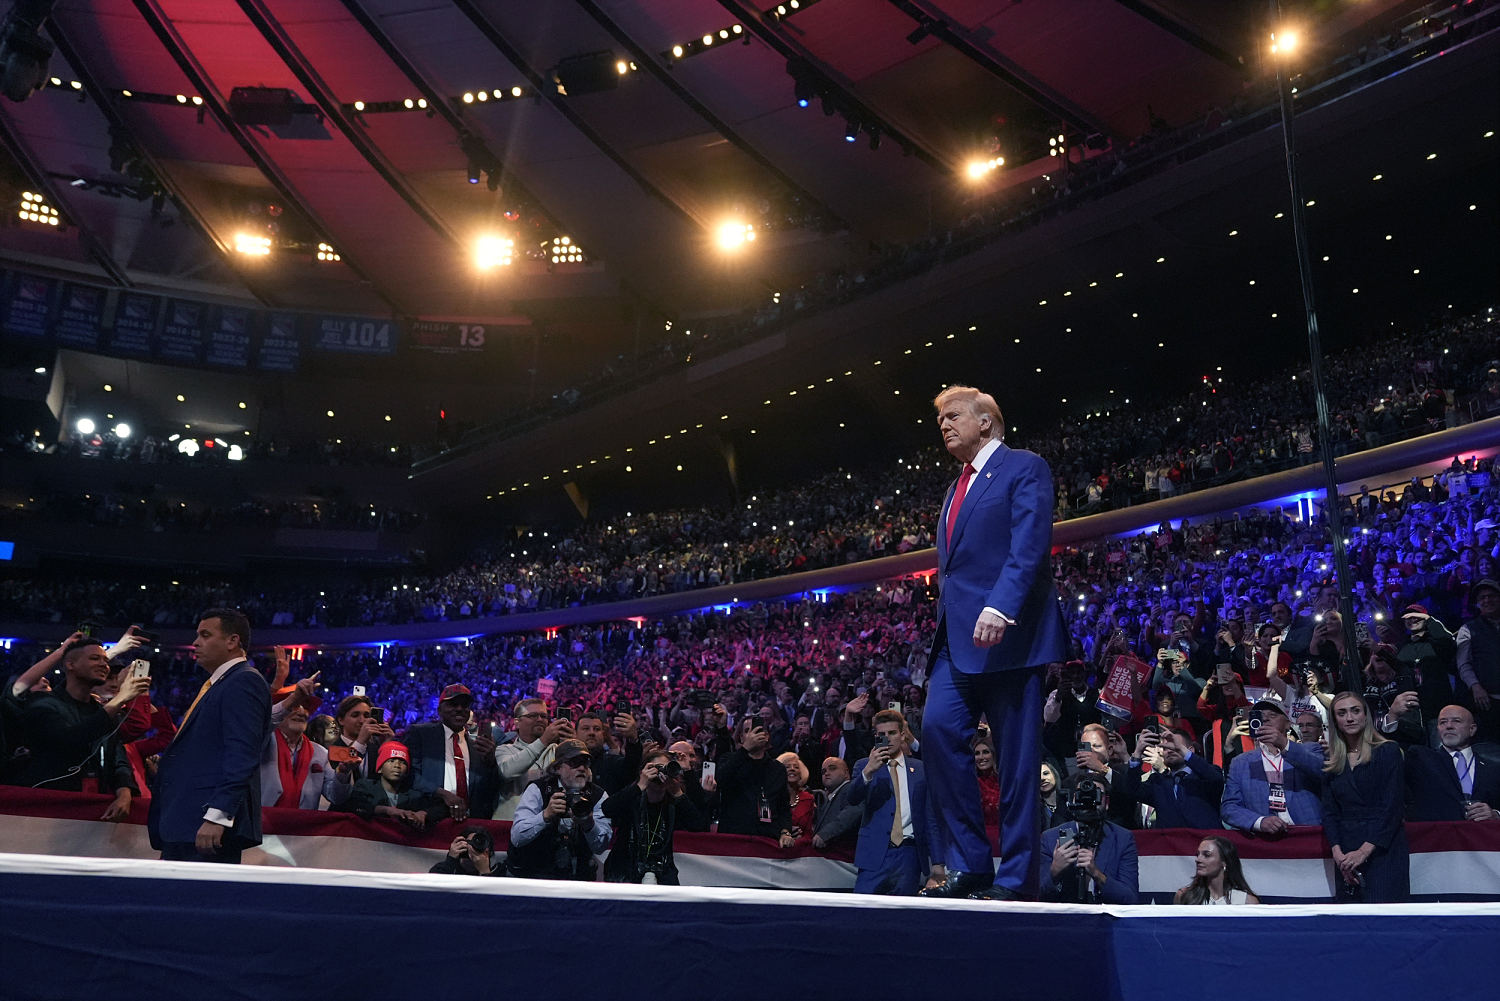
(66, 729)
(752, 788)
(612, 771)
(645, 815)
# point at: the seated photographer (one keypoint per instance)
(1183, 788)
(66, 731)
(752, 787)
(1277, 786)
(295, 772)
(560, 823)
(1459, 780)
(472, 853)
(1089, 859)
(614, 770)
(645, 816)
(390, 795)
(1218, 876)
(892, 850)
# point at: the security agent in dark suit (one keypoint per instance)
(838, 816)
(206, 806)
(892, 849)
(1457, 781)
(447, 761)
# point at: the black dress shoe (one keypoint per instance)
(996, 893)
(958, 885)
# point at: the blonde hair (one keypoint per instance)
(979, 403)
(787, 757)
(1338, 746)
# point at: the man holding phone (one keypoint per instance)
(752, 787)
(523, 760)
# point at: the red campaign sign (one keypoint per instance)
(1117, 694)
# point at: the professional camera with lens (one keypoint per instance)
(671, 769)
(480, 840)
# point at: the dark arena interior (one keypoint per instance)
(749, 487)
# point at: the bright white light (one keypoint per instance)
(251, 245)
(1285, 43)
(979, 169)
(85, 425)
(236, 453)
(733, 234)
(188, 446)
(122, 430)
(494, 252)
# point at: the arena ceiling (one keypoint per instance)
(156, 174)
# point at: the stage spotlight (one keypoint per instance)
(733, 234)
(851, 130)
(474, 172)
(84, 425)
(494, 252)
(122, 431)
(1285, 43)
(251, 245)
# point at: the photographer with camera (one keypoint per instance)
(645, 816)
(472, 853)
(1089, 860)
(1277, 786)
(560, 823)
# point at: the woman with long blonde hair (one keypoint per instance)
(1362, 805)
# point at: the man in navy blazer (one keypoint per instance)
(999, 625)
(437, 750)
(891, 787)
(1459, 780)
(206, 805)
(1088, 859)
(1185, 788)
(1279, 784)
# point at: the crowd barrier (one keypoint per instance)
(1449, 861)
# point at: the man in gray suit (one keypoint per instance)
(837, 819)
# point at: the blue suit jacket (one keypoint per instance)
(999, 557)
(1116, 857)
(214, 761)
(1247, 794)
(429, 761)
(879, 803)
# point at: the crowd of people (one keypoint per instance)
(1227, 634)
(1395, 386)
(120, 510)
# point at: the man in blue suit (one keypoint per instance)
(1278, 785)
(892, 849)
(206, 806)
(999, 625)
(1089, 860)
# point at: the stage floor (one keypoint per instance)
(90, 928)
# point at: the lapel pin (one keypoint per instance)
(988, 475)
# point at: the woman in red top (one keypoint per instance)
(800, 797)
(989, 780)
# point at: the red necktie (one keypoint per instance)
(958, 499)
(460, 770)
